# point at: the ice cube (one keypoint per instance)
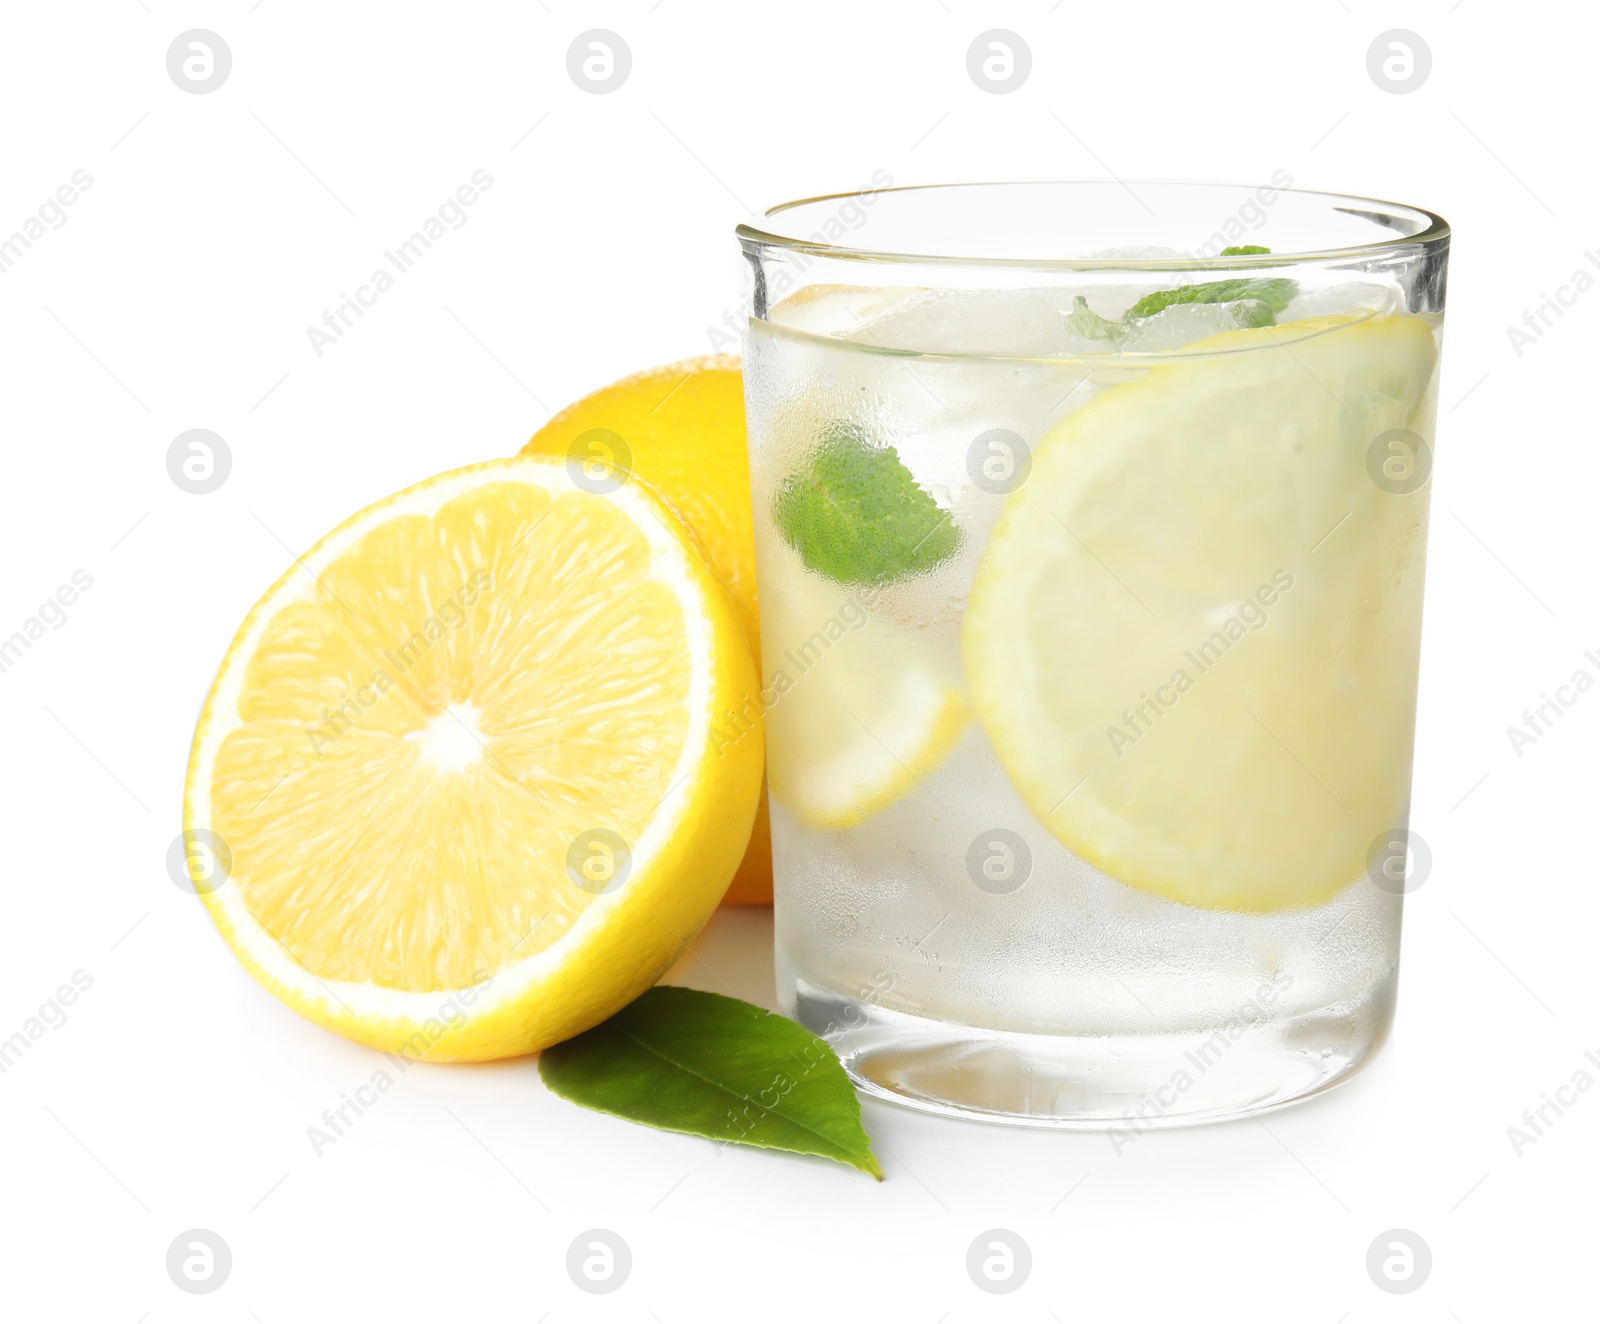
(1181, 324)
(1350, 296)
(1006, 323)
(836, 310)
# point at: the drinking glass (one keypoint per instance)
(1090, 528)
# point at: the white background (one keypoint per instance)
(177, 295)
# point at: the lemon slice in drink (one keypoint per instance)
(464, 772)
(1193, 636)
(857, 708)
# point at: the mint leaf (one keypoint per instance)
(1085, 322)
(1256, 300)
(856, 514)
(682, 1060)
(1275, 291)
(1254, 312)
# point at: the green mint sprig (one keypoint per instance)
(1258, 300)
(1276, 292)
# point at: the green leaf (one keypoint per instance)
(1085, 322)
(856, 514)
(1254, 312)
(1276, 292)
(682, 1060)
(1257, 301)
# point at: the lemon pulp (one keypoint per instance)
(1193, 636)
(426, 735)
(681, 428)
(857, 709)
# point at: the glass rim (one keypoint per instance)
(1435, 231)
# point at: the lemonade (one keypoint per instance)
(1091, 592)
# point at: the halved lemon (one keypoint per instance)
(1193, 637)
(466, 768)
(681, 428)
(857, 709)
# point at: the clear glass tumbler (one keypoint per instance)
(1090, 529)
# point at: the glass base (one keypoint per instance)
(1127, 1083)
